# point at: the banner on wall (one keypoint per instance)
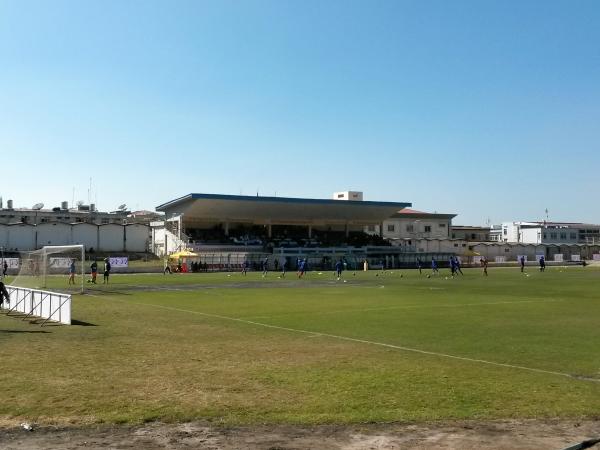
(12, 263)
(575, 257)
(59, 263)
(521, 256)
(596, 257)
(500, 259)
(558, 257)
(119, 261)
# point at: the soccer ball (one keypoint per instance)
(428, 276)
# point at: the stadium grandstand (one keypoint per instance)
(233, 228)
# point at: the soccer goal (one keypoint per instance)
(52, 266)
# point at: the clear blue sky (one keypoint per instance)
(487, 109)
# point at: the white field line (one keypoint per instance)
(388, 308)
(363, 341)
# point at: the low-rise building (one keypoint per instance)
(410, 224)
(470, 233)
(545, 232)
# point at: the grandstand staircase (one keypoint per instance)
(167, 241)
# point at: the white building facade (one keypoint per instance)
(549, 233)
(409, 224)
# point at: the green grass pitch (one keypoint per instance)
(379, 347)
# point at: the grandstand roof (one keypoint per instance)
(282, 210)
(414, 214)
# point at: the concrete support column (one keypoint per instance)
(381, 229)
(270, 232)
(309, 231)
(347, 229)
(226, 226)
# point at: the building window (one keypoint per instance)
(391, 228)
(506, 250)
(545, 236)
(573, 235)
(504, 232)
(370, 227)
(410, 228)
(456, 245)
(552, 235)
(105, 221)
(563, 235)
(442, 225)
(340, 195)
(427, 228)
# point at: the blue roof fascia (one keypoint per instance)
(313, 201)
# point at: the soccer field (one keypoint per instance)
(379, 347)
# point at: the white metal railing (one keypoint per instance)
(50, 306)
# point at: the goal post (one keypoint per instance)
(57, 250)
(36, 266)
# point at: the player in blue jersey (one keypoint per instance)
(302, 268)
(265, 266)
(522, 261)
(338, 269)
(457, 268)
(542, 263)
(434, 266)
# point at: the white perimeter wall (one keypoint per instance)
(509, 251)
(85, 234)
(111, 238)
(103, 238)
(53, 234)
(21, 237)
(3, 236)
(136, 237)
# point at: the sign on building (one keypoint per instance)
(558, 257)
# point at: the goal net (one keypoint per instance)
(51, 267)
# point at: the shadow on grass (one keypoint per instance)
(81, 323)
(24, 331)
